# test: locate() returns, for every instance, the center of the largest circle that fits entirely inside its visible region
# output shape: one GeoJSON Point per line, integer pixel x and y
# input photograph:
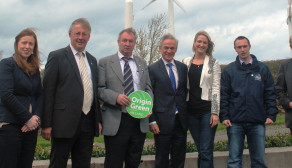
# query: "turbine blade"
{"type": "Point", "coordinates": [179, 5]}
{"type": "Point", "coordinates": [148, 4]}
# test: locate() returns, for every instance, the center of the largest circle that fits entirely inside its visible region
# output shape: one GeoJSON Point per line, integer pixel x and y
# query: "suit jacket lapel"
{"type": "Point", "coordinates": [72, 60]}
{"type": "Point", "coordinates": [139, 67]}
{"type": "Point", "coordinates": [205, 69]}
{"type": "Point", "coordinates": [179, 72]}
{"type": "Point", "coordinates": [92, 69]}
{"type": "Point", "coordinates": [116, 66]}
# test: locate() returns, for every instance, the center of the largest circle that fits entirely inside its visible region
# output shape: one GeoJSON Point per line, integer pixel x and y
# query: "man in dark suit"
{"type": "Point", "coordinates": [284, 89]}
{"type": "Point", "coordinates": [71, 113]}
{"type": "Point", "coordinates": [124, 135]}
{"type": "Point", "coordinates": [168, 122]}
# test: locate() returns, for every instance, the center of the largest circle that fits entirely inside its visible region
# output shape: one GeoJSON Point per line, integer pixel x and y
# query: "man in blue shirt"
{"type": "Point", "coordinates": [248, 102]}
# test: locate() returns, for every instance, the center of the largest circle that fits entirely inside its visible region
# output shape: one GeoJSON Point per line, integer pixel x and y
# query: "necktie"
{"type": "Point", "coordinates": [172, 77]}
{"type": "Point", "coordinates": [87, 85]}
{"type": "Point", "coordinates": [128, 78]}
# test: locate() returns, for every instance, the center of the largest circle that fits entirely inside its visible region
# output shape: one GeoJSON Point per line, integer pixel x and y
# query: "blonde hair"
{"type": "Point", "coordinates": [211, 44]}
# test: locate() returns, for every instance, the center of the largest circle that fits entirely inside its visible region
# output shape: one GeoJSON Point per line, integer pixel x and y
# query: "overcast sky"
{"type": "Point", "coordinates": [262, 21]}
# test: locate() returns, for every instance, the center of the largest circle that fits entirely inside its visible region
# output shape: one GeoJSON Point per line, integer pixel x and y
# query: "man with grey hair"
{"type": "Point", "coordinates": [284, 88]}
{"type": "Point", "coordinates": [168, 122]}
{"type": "Point", "coordinates": [124, 135]}
{"type": "Point", "coordinates": [71, 115]}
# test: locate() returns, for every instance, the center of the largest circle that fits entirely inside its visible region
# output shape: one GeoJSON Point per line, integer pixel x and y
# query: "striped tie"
{"type": "Point", "coordinates": [128, 78]}
{"type": "Point", "coordinates": [87, 85]}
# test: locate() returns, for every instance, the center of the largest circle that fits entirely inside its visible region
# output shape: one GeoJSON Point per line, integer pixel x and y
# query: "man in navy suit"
{"type": "Point", "coordinates": [71, 113]}
{"type": "Point", "coordinates": [168, 122]}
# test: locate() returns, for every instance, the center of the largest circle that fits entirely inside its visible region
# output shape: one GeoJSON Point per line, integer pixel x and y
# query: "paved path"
{"type": "Point", "coordinates": [270, 130]}
{"type": "Point", "coordinates": [222, 135]}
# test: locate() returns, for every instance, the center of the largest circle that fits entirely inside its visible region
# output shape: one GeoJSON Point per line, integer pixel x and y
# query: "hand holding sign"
{"type": "Point", "coordinates": [141, 104]}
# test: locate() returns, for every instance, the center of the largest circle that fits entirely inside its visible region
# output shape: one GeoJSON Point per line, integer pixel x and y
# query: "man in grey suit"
{"type": "Point", "coordinates": [124, 135]}
{"type": "Point", "coordinates": [284, 89]}
{"type": "Point", "coordinates": [71, 113]}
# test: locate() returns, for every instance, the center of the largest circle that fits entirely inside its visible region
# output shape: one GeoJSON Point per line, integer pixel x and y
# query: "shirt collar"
{"type": "Point", "coordinates": [75, 51]}
{"type": "Point", "coordinates": [250, 61]}
{"type": "Point", "coordinates": [121, 55]}
{"type": "Point", "coordinates": [165, 62]}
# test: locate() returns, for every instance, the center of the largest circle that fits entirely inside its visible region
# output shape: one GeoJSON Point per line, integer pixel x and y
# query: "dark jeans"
{"type": "Point", "coordinates": [255, 134]}
{"type": "Point", "coordinates": [16, 148]}
{"type": "Point", "coordinates": [203, 135]}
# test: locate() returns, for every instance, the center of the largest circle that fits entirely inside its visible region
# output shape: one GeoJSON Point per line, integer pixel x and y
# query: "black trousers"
{"type": "Point", "coordinates": [174, 144]}
{"type": "Point", "coordinates": [16, 148]}
{"type": "Point", "coordinates": [80, 146]}
{"type": "Point", "coordinates": [126, 146]}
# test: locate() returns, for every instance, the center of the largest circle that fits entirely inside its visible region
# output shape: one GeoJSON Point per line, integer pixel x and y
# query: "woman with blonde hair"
{"type": "Point", "coordinates": [203, 97]}
{"type": "Point", "coordinates": [20, 102]}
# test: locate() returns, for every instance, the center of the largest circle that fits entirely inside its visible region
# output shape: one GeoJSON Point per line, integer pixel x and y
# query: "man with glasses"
{"type": "Point", "coordinates": [71, 116]}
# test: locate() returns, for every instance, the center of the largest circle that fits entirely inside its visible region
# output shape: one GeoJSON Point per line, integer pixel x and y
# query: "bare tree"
{"type": "Point", "coordinates": [147, 44]}
{"type": "Point", "coordinates": [1, 52]}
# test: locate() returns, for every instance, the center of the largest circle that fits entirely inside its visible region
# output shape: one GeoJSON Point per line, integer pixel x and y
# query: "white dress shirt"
{"type": "Point", "coordinates": [76, 56]}
{"type": "Point", "coordinates": [174, 69]}
{"type": "Point", "coordinates": [134, 69]}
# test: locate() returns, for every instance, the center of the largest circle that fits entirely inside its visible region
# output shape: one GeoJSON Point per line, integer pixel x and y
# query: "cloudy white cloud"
{"type": "Point", "coordinates": [262, 21]}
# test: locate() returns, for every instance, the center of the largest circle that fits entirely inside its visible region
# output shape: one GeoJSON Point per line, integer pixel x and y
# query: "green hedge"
{"type": "Point", "coordinates": [279, 140]}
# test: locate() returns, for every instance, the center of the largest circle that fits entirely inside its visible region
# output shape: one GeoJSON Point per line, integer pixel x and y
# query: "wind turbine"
{"type": "Point", "coordinates": [170, 13]}
{"type": "Point", "coordinates": [129, 13]}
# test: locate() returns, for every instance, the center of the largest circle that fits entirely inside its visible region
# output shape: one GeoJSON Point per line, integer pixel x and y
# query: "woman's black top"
{"type": "Point", "coordinates": [195, 103]}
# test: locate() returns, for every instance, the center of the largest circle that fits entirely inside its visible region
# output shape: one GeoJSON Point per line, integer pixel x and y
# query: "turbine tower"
{"type": "Point", "coordinates": [170, 14]}
{"type": "Point", "coordinates": [129, 13]}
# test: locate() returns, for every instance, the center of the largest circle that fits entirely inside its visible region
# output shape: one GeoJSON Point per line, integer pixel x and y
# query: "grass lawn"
{"type": "Point", "coordinates": [41, 141]}
{"type": "Point", "coordinates": [280, 121]}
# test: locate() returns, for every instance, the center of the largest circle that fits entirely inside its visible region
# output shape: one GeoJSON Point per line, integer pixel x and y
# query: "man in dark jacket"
{"type": "Point", "coordinates": [168, 122]}
{"type": "Point", "coordinates": [71, 115]}
{"type": "Point", "coordinates": [248, 102]}
{"type": "Point", "coordinates": [284, 88]}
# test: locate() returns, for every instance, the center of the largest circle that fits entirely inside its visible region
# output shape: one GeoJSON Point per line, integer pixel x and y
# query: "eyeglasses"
{"type": "Point", "coordinates": [82, 34]}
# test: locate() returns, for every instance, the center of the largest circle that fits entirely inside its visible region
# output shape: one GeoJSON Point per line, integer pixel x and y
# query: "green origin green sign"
{"type": "Point", "coordinates": [141, 104]}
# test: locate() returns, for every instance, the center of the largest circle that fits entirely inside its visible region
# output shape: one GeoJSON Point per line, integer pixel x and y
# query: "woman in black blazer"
{"type": "Point", "coordinates": [20, 102]}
